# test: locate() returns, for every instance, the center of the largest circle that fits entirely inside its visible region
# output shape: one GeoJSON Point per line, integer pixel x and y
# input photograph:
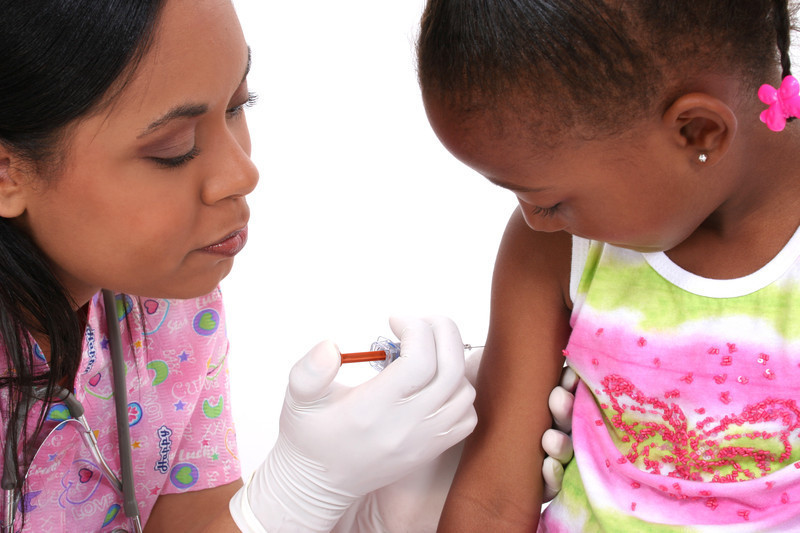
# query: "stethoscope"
{"type": "Point", "coordinates": [124, 486]}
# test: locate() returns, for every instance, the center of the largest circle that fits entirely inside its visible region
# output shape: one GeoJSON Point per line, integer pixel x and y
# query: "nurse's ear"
{"type": "Point", "coordinates": [13, 179]}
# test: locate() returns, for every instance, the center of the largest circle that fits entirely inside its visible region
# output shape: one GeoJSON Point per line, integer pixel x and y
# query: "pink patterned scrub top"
{"type": "Point", "coordinates": [687, 418]}
{"type": "Point", "coordinates": [182, 435]}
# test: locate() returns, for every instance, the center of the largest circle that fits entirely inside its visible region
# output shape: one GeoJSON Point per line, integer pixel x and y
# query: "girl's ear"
{"type": "Point", "coordinates": [701, 125]}
{"type": "Point", "coordinates": [12, 185]}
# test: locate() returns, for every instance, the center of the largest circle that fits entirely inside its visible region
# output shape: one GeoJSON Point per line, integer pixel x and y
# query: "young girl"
{"type": "Point", "coordinates": [655, 246]}
{"type": "Point", "coordinates": [124, 165]}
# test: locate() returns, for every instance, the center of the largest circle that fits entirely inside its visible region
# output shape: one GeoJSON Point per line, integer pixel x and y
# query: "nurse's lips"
{"type": "Point", "coordinates": [230, 245]}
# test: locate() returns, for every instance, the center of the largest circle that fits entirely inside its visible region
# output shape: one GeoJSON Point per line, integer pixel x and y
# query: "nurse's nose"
{"type": "Point", "coordinates": [233, 173]}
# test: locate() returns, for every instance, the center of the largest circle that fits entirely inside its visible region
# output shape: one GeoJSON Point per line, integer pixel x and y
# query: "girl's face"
{"type": "Point", "coordinates": [150, 199]}
{"type": "Point", "coordinates": [635, 191]}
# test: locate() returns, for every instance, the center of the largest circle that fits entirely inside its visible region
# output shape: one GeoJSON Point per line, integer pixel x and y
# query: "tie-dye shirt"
{"type": "Point", "coordinates": [182, 435]}
{"type": "Point", "coordinates": [687, 418]}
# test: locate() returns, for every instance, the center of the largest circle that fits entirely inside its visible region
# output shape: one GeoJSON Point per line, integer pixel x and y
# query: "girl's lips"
{"type": "Point", "coordinates": [229, 246]}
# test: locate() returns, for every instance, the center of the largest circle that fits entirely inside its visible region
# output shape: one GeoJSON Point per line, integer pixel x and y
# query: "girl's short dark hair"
{"type": "Point", "coordinates": [59, 61]}
{"type": "Point", "coordinates": [594, 62]}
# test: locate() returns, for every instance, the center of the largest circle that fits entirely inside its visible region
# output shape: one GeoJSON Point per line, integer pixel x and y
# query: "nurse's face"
{"type": "Point", "coordinates": [150, 199]}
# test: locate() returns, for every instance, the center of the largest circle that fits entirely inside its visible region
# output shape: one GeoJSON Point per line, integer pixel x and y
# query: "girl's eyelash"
{"type": "Point", "coordinates": [252, 98]}
{"type": "Point", "coordinates": [173, 162]}
{"type": "Point", "coordinates": [545, 211]}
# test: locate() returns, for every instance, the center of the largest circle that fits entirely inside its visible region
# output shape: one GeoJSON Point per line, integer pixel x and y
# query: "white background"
{"type": "Point", "coordinates": [359, 214]}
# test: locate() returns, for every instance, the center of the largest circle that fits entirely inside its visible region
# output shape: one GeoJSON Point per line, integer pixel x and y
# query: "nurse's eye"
{"type": "Point", "coordinates": [545, 211]}
{"type": "Point", "coordinates": [174, 162]}
{"type": "Point", "coordinates": [235, 111]}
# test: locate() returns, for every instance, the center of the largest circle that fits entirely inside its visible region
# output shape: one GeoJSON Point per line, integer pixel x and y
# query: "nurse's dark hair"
{"type": "Point", "coordinates": [594, 63]}
{"type": "Point", "coordinates": [60, 60]}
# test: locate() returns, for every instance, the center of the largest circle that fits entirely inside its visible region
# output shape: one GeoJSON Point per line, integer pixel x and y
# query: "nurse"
{"type": "Point", "coordinates": [124, 165]}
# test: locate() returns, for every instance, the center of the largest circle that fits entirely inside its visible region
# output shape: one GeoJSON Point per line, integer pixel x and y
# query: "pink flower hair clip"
{"type": "Point", "coordinates": [784, 103]}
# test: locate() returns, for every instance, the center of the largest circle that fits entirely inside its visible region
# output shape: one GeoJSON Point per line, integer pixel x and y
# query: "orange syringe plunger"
{"type": "Point", "coordinates": [363, 357]}
{"type": "Point", "coordinates": [382, 352]}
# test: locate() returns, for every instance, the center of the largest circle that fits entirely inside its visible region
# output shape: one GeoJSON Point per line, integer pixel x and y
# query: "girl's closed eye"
{"type": "Point", "coordinates": [545, 211]}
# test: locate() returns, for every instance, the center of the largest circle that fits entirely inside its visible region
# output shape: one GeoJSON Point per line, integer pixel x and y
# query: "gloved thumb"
{"type": "Point", "coordinates": [312, 375]}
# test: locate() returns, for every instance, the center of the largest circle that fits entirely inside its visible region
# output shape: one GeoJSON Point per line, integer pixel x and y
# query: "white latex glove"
{"type": "Point", "coordinates": [413, 503]}
{"type": "Point", "coordinates": [338, 443]}
{"type": "Point", "coordinates": [557, 442]}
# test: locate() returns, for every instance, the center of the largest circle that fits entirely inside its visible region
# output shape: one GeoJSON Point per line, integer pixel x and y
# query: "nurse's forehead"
{"type": "Point", "coordinates": [188, 110]}
{"type": "Point", "coordinates": [178, 78]}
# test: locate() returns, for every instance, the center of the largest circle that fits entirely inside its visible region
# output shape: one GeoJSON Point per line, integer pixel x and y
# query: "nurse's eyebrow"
{"type": "Point", "coordinates": [181, 111]}
{"type": "Point", "coordinates": [187, 110]}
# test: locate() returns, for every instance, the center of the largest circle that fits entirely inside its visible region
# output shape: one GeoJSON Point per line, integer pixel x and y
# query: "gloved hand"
{"type": "Point", "coordinates": [415, 501]}
{"type": "Point", "coordinates": [557, 442]}
{"type": "Point", "coordinates": [338, 443]}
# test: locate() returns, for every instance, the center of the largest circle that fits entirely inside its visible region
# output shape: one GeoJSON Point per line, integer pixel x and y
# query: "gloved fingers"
{"type": "Point", "coordinates": [449, 367]}
{"type": "Point", "coordinates": [553, 474]}
{"type": "Point", "coordinates": [557, 445]}
{"type": "Point", "coordinates": [473, 363]}
{"type": "Point", "coordinates": [465, 415]}
{"type": "Point", "coordinates": [569, 379]}
{"type": "Point", "coordinates": [444, 429]}
{"type": "Point", "coordinates": [561, 402]}
{"type": "Point", "coordinates": [456, 418]}
{"type": "Point", "coordinates": [459, 431]}
{"type": "Point", "coordinates": [548, 494]}
{"type": "Point", "coordinates": [458, 408]}
{"type": "Point", "coordinates": [450, 360]}
{"type": "Point", "coordinates": [417, 437]}
{"type": "Point", "coordinates": [311, 377]}
{"type": "Point", "coordinates": [416, 366]}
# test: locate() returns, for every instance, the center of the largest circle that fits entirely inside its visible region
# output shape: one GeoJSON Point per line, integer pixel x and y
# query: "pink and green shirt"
{"type": "Point", "coordinates": [687, 417]}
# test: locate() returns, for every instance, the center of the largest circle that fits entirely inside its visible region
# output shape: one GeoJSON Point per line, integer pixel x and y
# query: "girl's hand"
{"type": "Point", "coordinates": [338, 443]}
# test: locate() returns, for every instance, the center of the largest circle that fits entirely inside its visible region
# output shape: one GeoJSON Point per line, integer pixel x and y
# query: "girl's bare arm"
{"type": "Point", "coordinates": [498, 485]}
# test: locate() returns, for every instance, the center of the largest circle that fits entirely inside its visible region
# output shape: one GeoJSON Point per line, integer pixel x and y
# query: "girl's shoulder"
{"type": "Point", "coordinates": [530, 261]}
